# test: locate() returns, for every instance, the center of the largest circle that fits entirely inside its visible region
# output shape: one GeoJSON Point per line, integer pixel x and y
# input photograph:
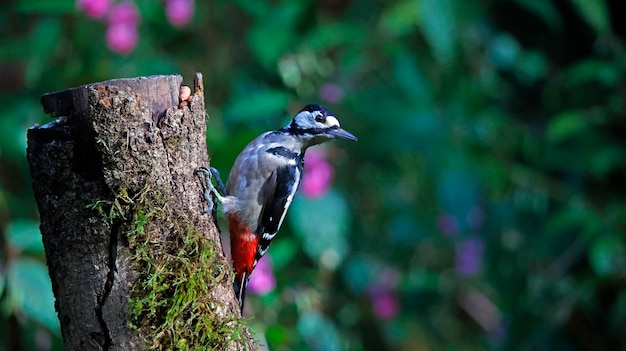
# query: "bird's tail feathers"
{"type": "Point", "coordinates": [240, 285]}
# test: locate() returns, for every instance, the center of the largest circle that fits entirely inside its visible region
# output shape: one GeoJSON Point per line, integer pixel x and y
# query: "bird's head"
{"type": "Point", "coordinates": [315, 125]}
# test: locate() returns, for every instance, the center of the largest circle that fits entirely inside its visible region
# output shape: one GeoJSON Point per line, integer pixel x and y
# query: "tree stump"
{"type": "Point", "coordinates": [135, 263]}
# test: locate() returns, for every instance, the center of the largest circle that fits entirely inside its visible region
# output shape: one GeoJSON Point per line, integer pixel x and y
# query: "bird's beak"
{"type": "Point", "coordinates": [340, 133]}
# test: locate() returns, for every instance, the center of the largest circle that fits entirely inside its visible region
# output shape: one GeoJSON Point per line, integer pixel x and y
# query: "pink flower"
{"type": "Point", "coordinates": [332, 93]}
{"type": "Point", "coordinates": [179, 12]}
{"type": "Point", "coordinates": [448, 224]}
{"type": "Point", "coordinates": [318, 174]}
{"type": "Point", "coordinates": [385, 305]}
{"type": "Point", "coordinates": [382, 294]}
{"type": "Point", "coordinates": [122, 33]}
{"type": "Point", "coordinates": [122, 37]}
{"type": "Point", "coordinates": [262, 280]}
{"type": "Point", "coordinates": [94, 8]}
{"type": "Point", "coordinates": [126, 12]}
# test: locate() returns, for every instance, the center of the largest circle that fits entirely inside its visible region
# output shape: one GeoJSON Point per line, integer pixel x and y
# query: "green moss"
{"type": "Point", "coordinates": [115, 209]}
{"type": "Point", "coordinates": [173, 141]}
{"type": "Point", "coordinates": [170, 303]}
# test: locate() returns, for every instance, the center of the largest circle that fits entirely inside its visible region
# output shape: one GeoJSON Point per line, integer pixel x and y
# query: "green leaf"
{"type": "Point", "coordinates": [410, 79]}
{"type": "Point", "coordinates": [617, 313]}
{"type": "Point", "coordinates": [14, 123]}
{"type": "Point", "coordinates": [150, 10]}
{"type": "Point", "coordinates": [400, 18]}
{"type": "Point", "coordinates": [277, 335]}
{"type": "Point", "coordinates": [360, 271]}
{"type": "Point", "coordinates": [605, 160]}
{"type": "Point", "coordinates": [595, 12]}
{"type": "Point", "coordinates": [148, 65]}
{"type": "Point", "coordinates": [504, 51]}
{"type": "Point", "coordinates": [25, 236]}
{"type": "Point", "coordinates": [544, 10]}
{"type": "Point", "coordinates": [282, 252]}
{"type": "Point", "coordinates": [269, 40]}
{"type": "Point", "coordinates": [46, 6]}
{"type": "Point", "coordinates": [335, 34]}
{"type": "Point", "coordinates": [258, 104]}
{"type": "Point", "coordinates": [458, 192]}
{"type": "Point", "coordinates": [268, 44]}
{"type": "Point", "coordinates": [254, 8]}
{"type": "Point", "coordinates": [439, 25]}
{"type": "Point", "coordinates": [406, 230]}
{"type": "Point", "coordinates": [13, 49]}
{"type": "Point", "coordinates": [45, 36]}
{"type": "Point", "coordinates": [607, 255]}
{"type": "Point", "coordinates": [574, 218]}
{"type": "Point", "coordinates": [322, 224]}
{"type": "Point", "coordinates": [31, 291]}
{"type": "Point", "coordinates": [423, 280]}
{"type": "Point", "coordinates": [531, 66]}
{"type": "Point", "coordinates": [565, 125]}
{"type": "Point", "coordinates": [589, 71]}
{"type": "Point", "coordinates": [318, 331]}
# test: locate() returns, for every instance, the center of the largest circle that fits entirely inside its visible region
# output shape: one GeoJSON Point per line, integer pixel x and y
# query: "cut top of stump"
{"type": "Point", "coordinates": [160, 92]}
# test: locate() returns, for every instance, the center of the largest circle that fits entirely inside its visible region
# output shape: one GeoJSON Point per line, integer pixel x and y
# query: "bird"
{"type": "Point", "coordinates": [262, 184]}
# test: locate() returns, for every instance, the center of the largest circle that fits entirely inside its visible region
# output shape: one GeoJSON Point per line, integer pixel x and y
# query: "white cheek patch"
{"type": "Point", "coordinates": [331, 121]}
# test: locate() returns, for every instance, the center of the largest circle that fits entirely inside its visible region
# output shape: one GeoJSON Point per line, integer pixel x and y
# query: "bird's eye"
{"type": "Point", "coordinates": [319, 118]}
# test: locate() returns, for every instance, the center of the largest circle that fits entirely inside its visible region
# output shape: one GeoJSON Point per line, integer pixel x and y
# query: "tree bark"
{"type": "Point", "coordinates": [134, 262]}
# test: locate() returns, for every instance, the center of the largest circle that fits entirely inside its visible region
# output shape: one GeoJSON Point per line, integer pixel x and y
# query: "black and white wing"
{"type": "Point", "coordinates": [277, 193]}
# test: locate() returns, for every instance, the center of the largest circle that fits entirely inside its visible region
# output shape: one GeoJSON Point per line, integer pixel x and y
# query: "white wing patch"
{"type": "Point", "coordinates": [269, 236]}
{"type": "Point", "coordinates": [290, 197]}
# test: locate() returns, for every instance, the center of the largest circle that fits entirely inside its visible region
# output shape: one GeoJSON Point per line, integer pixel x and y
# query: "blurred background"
{"type": "Point", "coordinates": [483, 207]}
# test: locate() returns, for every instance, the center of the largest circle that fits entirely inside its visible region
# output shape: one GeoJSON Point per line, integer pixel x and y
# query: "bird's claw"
{"type": "Point", "coordinates": [207, 190]}
{"type": "Point", "coordinates": [204, 170]}
{"type": "Point", "coordinates": [209, 208]}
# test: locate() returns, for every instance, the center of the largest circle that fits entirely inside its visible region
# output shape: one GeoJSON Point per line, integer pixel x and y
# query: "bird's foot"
{"type": "Point", "coordinates": [210, 188]}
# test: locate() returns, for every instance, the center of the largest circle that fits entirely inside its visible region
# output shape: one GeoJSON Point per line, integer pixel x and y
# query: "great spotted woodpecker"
{"type": "Point", "coordinates": [262, 184]}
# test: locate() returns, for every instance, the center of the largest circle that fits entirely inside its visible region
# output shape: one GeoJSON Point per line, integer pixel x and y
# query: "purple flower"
{"type": "Point", "coordinates": [179, 12]}
{"type": "Point", "coordinates": [262, 280]}
{"type": "Point", "coordinates": [448, 224]}
{"type": "Point", "coordinates": [469, 254]}
{"type": "Point", "coordinates": [497, 335]}
{"type": "Point", "coordinates": [94, 8]}
{"type": "Point", "coordinates": [382, 294]}
{"type": "Point", "coordinates": [332, 93]}
{"type": "Point", "coordinates": [385, 305]}
{"type": "Point", "coordinates": [122, 33]}
{"type": "Point", "coordinates": [318, 174]}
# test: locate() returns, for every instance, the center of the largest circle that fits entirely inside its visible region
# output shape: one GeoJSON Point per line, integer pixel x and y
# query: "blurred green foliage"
{"type": "Point", "coordinates": [483, 206]}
